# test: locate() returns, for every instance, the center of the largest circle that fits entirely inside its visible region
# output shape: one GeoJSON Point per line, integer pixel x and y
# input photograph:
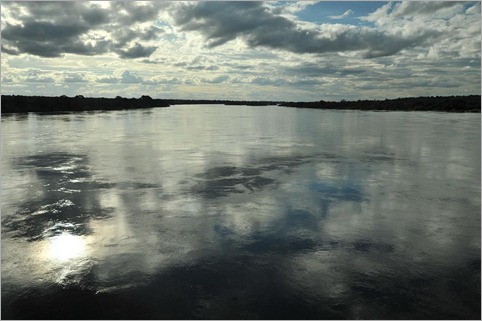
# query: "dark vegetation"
{"type": "Point", "coordinates": [439, 103]}
{"type": "Point", "coordinates": [24, 104]}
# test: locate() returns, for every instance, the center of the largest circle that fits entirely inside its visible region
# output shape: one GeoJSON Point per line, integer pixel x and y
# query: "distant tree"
{"type": "Point", "coordinates": [79, 96]}
{"type": "Point", "coordinates": [145, 97]}
{"type": "Point", "coordinates": [118, 97]}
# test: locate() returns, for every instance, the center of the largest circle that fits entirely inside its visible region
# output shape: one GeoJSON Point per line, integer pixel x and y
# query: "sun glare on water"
{"type": "Point", "coordinates": [66, 247]}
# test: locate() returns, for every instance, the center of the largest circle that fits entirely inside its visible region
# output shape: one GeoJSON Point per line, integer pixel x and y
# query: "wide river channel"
{"type": "Point", "coordinates": [237, 212]}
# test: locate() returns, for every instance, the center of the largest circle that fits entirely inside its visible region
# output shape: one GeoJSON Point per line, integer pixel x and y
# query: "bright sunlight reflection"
{"type": "Point", "coordinates": [66, 247]}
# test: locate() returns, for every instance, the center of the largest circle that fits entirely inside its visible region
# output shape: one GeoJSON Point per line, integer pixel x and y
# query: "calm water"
{"type": "Point", "coordinates": [241, 212]}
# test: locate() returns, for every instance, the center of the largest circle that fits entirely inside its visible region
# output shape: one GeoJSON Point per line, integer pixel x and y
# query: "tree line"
{"type": "Point", "coordinates": [439, 103]}
{"type": "Point", "coordinates": [24, 104]}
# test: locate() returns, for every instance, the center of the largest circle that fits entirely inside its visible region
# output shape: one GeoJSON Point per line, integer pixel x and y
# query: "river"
{"type": "Point", "coordinates": [238, 212]}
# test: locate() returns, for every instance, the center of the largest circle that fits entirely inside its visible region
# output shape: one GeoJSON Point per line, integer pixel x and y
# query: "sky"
{"type": "Point", "coordinates": [282, 51]}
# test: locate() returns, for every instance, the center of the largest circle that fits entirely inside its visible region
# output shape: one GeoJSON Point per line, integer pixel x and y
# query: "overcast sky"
{"type": "Point", "coordinates": [295, 51]}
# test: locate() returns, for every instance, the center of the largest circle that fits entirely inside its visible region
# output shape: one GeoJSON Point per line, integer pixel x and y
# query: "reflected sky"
{"type": "Point", "coordinates": [241, 212]}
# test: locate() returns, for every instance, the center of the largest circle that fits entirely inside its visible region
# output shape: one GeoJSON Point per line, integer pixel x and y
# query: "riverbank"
{"type": "Point", "coordinates": [443, 104]}
{"type": "Point", "coordinates": [24, 104]}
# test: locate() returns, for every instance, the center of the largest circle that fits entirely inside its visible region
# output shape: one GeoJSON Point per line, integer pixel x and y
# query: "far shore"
{"type": "Point", "coordinates": [24, 104]}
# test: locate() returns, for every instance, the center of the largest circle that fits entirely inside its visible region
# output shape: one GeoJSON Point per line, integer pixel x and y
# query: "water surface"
{"type": "Point", "coordinates": [214, 212]}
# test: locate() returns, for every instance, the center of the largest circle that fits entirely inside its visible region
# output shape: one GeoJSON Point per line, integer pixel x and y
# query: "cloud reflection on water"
{"type": "Point", "coordinates": [316, 219]}
{"type": "Point", "coordinates": [66, 201]}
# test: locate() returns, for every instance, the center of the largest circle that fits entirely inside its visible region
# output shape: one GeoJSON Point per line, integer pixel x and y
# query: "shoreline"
{"type": "Point", "coordinates": [453, 104]}
{"type": "Point", "coordinates": [13, 104]}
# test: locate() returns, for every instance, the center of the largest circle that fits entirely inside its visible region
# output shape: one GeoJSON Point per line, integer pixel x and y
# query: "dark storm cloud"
{"type": "Point", "coordinates": [59, 11]}
{"type": "Point", "coordinates": [124, 35]}
{"type": "Point", "coordinates": [43, 30]}
{"type": "Point", "coordinates": [137, 51]}
{"type": "Point", "coordinates": [46, 49]}
{"type": "Point", "coordinates": [54, 39]}
{"type": "Point", "coordinates": [130, 12]}
{"type": "Point", "coordinates": [95, 16]}
{"type": "Point", "coordinates": [150, 34]}
{"type": "Point", "coordinates": [220, 22]}
{"type": "Point", "coordinates": [51, 29]}
{"type": "Point", "coordinates": [9, 50]}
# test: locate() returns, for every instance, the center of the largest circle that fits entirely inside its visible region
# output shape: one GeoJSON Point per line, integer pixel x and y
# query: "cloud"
{"type": "Point", "coordinates": [6, 79]}
{"type": "Point", "coordinates": [108, 80]}
{"type": "Point", "coordinates": [130, 78]}
{"type": "Point", "coordinates": [153, 61]}
{"type": "Point", "coordinates": [221, 22]}
{"type": "Point", "coordinates": [266, 81]}
{"type": "Point", "coordinates": [457, 27]}
{"type": "Point", "coordinates": [394, 13]}
{"type": "Point", "coordinates": [123, 36]}
{"type": "Point", "coordinates": [290, 7]}
{"type": "Point", "coordinates": [217, 80]}
{"type": "Point", "coordinates": [130, 12]}
{"type": "Point", "coordinates": [52, 29]}
{"type": "Point", "coordinates": [9, 50]}
{"type": "Point", "coordinates": [74, 78]}
{"type": "Point", "coordinates": [52, 39]}
{"type": "Point", "coordinates": [197, 67]}
{"type": "Point", "coordinates": [95, 16]}
{"type": "Point", "coordinates": [150, 34]}
{"type": "Point", "coordinates": [344, 15]}
{"type": "Point", "coordinates": [136, 51]}
{"type": "Point", "coordinates": [39, 30]}
{"type": "Point", "coordinates": [263, 46]}
{"type": "Point", "coordinates": [313, 70]}
{"type": "Point", "coordinates": [407, 8]}
{"type": "Point", "coordinates": [474, 9]}
{"type": "Point", "coordinates": [39, 78]}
